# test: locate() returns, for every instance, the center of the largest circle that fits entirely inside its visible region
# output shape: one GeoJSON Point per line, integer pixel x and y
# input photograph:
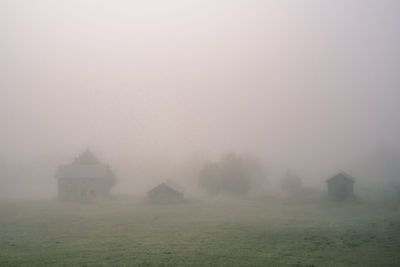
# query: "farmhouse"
{"type": "Point", "coordinates": [340, 187]}
{"type": "Point", "coordinates": [165, 193]}
{"type": "Point", "coordinates": [86, 179]}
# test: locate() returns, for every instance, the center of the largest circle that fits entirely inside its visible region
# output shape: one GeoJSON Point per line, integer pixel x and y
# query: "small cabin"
{"type": "Point", "coordinates": [395, 184]}
{"type": "Point", "coordinates": [85, 179]}
{"type": "Point", "coordinates": [341, 187]}
{"type": "Point", "coordinates": [165, 193]}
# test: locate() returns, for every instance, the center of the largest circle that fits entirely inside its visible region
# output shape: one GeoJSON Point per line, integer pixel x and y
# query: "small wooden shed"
{"type": "Point", "coordinates": [165, 193]}
{"type": "Point", "coordinates": [341, 187]}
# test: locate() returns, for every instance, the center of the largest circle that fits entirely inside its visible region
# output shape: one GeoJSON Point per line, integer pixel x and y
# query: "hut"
{"type": "Point", "coordinates": [341, 187]}
{"type": "Point", "coordinates": [86, 179]}
{"type": "Point", "coordinates": [395, 184]}
{"type": "Point", "coordinates": [165, 193]}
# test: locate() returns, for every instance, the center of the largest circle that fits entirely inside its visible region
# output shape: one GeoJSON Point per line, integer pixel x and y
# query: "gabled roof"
{"type": "Point", "coordinates": [83, 171]}
{"type": "Point", "coordinates": [170, 185]}
{"type": "Point", "coordinates": [341, 175]}
{"type": "Point", "coordinates": [174, 186]}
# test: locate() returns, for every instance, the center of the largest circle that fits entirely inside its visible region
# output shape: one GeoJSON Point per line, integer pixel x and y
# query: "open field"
{"type": "Point", "coordinates": [131, 232]}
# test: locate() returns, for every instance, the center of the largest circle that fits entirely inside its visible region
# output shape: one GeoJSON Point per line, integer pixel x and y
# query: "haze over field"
{"type": "Point", "coordinates": [155, 87]}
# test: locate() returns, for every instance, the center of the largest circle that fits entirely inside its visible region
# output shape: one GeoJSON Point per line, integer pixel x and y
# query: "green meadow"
{"type": "Point", "coordinates": [132, 232]}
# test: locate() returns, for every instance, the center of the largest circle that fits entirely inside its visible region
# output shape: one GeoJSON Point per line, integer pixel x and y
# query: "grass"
{"type": "Point", "coordinates": [131, 232]}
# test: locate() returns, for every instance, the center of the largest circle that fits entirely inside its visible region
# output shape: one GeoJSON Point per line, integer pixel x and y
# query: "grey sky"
{"type": "Point", "coordinates": [298, 83]}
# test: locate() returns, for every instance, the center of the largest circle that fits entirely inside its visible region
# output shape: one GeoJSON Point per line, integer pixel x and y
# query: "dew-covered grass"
{"type": "Point", "coordinates": [132, 232]}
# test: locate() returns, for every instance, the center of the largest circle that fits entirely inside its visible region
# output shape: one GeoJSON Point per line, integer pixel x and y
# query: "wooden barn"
{"type": "Point", "coordinates": [86, 179]}
{"type": "Point", "coordinates": [396, 187]}
{"type": "Point", "coordinates": [165, 193]}
{"type": "Point", "coordinates": [341, 187]}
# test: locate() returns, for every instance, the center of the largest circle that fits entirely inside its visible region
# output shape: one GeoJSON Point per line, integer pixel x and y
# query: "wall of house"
{"type": "Point", "coordinates": [82, 189]}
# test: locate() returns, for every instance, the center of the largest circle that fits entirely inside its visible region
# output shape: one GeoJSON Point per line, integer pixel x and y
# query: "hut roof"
{"type": "Point", "coordinates": [83, 171]}
{"type": "Point", "coordinates": [170, 185]}
{"type": "Point", "coordinates": [341, 175]}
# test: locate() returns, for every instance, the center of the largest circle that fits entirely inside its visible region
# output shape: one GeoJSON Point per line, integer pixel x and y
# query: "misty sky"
{"type": "Point", "coordinates": [299, 84]}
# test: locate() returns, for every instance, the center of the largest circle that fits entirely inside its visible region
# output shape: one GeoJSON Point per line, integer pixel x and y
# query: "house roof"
{"type": "Point", "coordinates": [86, 157]}
{"type": "Point", "coordinates": [341, 175]}
{"type": "Point", "coordinates": [83, 171]}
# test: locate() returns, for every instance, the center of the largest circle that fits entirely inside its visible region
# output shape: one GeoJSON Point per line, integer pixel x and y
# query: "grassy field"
{"type": "Point", "coordinates": [131, 232]}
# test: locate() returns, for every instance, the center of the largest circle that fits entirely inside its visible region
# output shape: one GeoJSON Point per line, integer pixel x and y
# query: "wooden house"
{"type": "Point", "coordinates": [86, 179]}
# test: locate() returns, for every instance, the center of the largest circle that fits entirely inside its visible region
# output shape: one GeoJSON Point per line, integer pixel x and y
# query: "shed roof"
{"type": "Point", "coordinates": [341, 175]}
{"type": "Point", "coordinates": [168, 184]}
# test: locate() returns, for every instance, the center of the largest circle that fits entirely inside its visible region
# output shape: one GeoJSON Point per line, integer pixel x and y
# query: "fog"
{"type": "Point", "coordinates": [158, 88]}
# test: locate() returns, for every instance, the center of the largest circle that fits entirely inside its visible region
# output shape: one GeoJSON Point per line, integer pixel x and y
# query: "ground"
{"type": "Point", "coordinates": [131, 232]}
